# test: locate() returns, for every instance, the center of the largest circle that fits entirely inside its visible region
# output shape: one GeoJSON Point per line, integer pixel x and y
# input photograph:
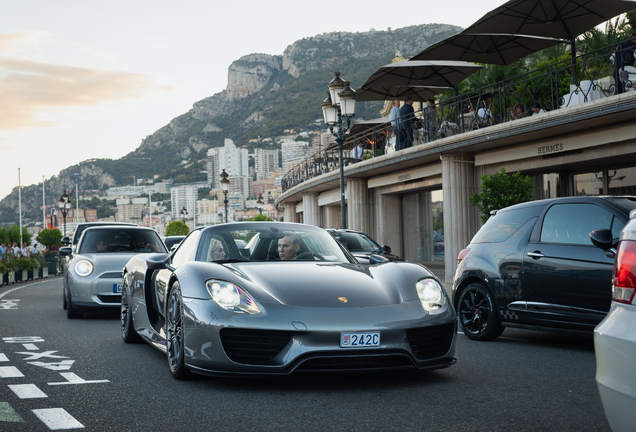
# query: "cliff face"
{"type": "Point", "coordinates": [265, 95]}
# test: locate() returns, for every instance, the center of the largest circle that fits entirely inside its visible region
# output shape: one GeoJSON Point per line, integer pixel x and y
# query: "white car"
{"type": "Point", "coordinates": [615, 336]}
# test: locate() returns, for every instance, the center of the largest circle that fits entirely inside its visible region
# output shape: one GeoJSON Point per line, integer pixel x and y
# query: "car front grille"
{"type": "Point", "coordinates": [249, 346]}
{"type": "Point", "coordinates": [109, 298]}
{"type": "Point", "coordinates": [430, 342]}
{"type": "Point", "coordinates": [356, 361]}
{"type": "Point", "coordinates": [111, 275]}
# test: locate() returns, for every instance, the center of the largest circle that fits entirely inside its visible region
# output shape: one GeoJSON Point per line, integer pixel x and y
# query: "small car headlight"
{"type": "Point", "coordinates": [84, 268]}
{"type": "Point", "coordinates": [231, 297]}
{"type": "Point", "coordinates": [431, 294]}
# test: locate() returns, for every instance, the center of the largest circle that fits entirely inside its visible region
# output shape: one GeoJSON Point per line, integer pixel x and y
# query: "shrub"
{"type": "Point", "coordinates": [177, 228]}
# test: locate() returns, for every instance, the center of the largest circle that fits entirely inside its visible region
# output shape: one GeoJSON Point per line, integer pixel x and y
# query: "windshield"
{"type": "Point", "coordinates": [269, 242]}
{"type": "Point", "coordinates": [358, 243]}
{"type": "Point", "coordinates": [103, 240]}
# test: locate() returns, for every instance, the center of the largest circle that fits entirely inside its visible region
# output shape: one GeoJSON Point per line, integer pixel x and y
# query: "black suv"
{"type": "Point", "coordinates": [533, 266]}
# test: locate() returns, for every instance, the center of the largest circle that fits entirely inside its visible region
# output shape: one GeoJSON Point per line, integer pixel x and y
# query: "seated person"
{"type": "Point", "coordinates": [518, 111]}
{"type": "Point", "coordinates": [102, 246]}
{"type": "Point", "coordinates": [536, 108]}
{"type": "Point", "coordinates": [140, 243]}
{"type": "Point", "coordinates": [289, 246]}
{"type": "Point", "coordinates": [216, 252]}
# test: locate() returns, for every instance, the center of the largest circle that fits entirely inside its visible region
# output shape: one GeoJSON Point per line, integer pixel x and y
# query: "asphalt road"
{"type": "Point", "coordinates": [80, 373]}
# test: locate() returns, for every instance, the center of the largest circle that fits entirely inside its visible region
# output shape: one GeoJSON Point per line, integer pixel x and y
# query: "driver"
{"type": "Point", "coordinates": [140, 243]}
{"type": "Point", "coordinates": [102, 246]}
{"type": "Point", "coordinates": [289, 246]}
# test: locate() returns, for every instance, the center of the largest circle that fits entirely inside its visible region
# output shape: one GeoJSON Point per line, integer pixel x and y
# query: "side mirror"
{"type": "Point", "coordinates": [66, 241]}
{"type": "Point", "coordinates": [66, 251]}
{"type": "Point", "coordinates": [387, 249]}
{"type": "Point", "coordinates": [602, 239]}
{"type": "Point", "coordinates": [158, 261]}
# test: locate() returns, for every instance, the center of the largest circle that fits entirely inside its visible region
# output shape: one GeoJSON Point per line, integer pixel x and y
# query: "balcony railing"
{"type": "Point", "coordinates": [563, 84]}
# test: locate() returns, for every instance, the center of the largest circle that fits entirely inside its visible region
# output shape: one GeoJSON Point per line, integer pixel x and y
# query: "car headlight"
{"type": "Point", "coordinates": [431, 295]}
{"type": "Point", "coordinates": [83, 268]}
{"type": "Point", "coordinates": [231, 297]}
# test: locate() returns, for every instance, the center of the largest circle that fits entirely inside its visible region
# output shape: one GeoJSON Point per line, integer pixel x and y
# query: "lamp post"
{"type": "Point", "coordinates": [184, 214]}
{"type": "Point", "coordinates": [259, 204]}
{"type": "Point", "coordinates": [225, 185]}
{"type": "Point", "coordinates": [65, 204]}
{"type": "Point", "coordinates": [340, 103]}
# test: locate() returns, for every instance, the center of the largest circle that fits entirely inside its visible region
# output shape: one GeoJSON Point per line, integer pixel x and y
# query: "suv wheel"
{"type": "Point", "coordinates": [477, 314]}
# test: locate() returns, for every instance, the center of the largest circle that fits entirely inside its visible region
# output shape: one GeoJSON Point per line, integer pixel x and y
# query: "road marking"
{"type": "Point", "coordinates": [8, 414]}
{"type": "Point", "coordinates": [20, 287]}
{"type": "Point", "coordinates": [27, 391]}
{"type": "Point", "coordinates": [3, 357]}
{"type": "Point", "coordinates": [23, 339]}
{"type": "Point", "coordinates": [9, 304]}
{"type": "Point", "coordinates": [57, 419]}
{"type": "Point", "coordinates": [10, 372]}
{"type": "Point", "coordinates": [74, 379]}
{"type": "Point", "coordinates": [59, 366]}
{"type": "Point", "coordinates": [31, 347]}
{"type": "Point", "coordinates": [36, 356]}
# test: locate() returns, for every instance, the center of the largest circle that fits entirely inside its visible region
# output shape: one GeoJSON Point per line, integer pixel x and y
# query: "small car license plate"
{"type": "Point", "coordinates": [352, 340]}
{"type": "Point", "coordinates": [116, 288]}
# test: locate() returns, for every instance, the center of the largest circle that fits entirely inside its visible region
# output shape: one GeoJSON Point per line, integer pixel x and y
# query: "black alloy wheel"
{"type": "Point", "coordinates": [174, 335]}
{"type": "Point", "coordinates": [128, 333]}
{"type": "Point", "coordinates": [477, 315]}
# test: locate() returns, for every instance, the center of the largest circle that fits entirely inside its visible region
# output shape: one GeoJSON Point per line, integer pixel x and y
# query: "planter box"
{"type": "Point", "coordinates": [32, 274]}
{"type": "Point", "coordinates": [43, 272]}
{"type": "Point", "coordinates": [54, 265]}
{"type": "Point", "coordinates": [8, 278]}
{"type": "Point", "coordinates": [21, 275]}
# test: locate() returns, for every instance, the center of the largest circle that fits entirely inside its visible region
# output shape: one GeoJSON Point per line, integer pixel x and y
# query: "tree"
{"type": "Point", "coordinates": [13, 234]}
{"type": "Point", "coordinates": [261, 218]}
{"type": "Point", "coordinates": [501, 190]}
{"type": "Point", "coordinates": [177, 228]}
{"type": "Point", "coordinates": [50, 237]}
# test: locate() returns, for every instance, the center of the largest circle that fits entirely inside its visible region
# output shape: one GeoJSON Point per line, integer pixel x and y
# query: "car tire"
{"type": "Point", "coordinates": [128, 333]}
{"type": "Point", "coordinates": [477, 313]}
{"type": "Point", "coordinates": [64, 305]}
{"type": "Point", "coordinates": [71, 311]}
{"type": "Point", "coordinates": [175, 334]}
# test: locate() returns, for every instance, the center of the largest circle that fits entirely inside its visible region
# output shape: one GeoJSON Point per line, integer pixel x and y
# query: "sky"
{"type": "Point", "coordinates": [91, 79]}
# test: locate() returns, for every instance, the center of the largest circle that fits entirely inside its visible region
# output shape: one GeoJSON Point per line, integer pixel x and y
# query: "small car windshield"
{"type": "Point", "coordinates": [269, 242]}
{"type": "Point", "coordinates": [102, 240]}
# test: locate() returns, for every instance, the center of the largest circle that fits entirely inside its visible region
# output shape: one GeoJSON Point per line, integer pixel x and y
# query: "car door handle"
{"type": "Point", "coordinates": [535, 255]}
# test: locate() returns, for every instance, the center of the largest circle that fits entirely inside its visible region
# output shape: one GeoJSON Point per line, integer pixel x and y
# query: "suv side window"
{"type": "Point", "coordinates": [504, 224]}
{"type": "Point", "coordinates": [572, 223]}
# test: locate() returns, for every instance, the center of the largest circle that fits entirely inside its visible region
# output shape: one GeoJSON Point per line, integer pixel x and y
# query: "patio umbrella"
{"type": "Point", "coordinates": [421, 79]}
{"type": "Point", "coordinates": [559, 19]}
{"type": "Point", "coordinates": [499, 49]}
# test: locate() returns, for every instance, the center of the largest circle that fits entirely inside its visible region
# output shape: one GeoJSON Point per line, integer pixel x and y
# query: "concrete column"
{"type": "Point", "coordinates": [331, 216]}
{"type": "Point", "coordinates": [388, 231]}
{"type": "Point", "coordinates": [311, 210]}
{"type": "Point", "coordinates": [289, 214]}
{"type": "Point", "coordinates": [459, 226]}
{"type": "Point", "coordinates": [357, 205]}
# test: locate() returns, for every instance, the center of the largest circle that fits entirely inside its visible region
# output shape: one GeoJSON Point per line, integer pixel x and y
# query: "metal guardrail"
{"type": "Point", "coordinates": [562, 84]}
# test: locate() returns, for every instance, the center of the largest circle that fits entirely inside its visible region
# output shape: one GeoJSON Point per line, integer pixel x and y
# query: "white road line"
{"type": "Point", "coordinates": [10, 372]}
{"type": "Point", "coordinates": [74, 379]}
{"type": "Point", "coordinates": [27, 391]}
{"type": "Point", "coordinates": [57, 419]}
{"type": "Point", "coordinates": [3, 357]}
{"type": "Point", "coordinates": [31, 347]}
{"type": "Point", "coordinates": [20, 287]}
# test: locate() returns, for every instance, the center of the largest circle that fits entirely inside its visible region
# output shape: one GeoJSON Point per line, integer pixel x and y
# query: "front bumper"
{"type": "Point", "coordinates": [96, 290]}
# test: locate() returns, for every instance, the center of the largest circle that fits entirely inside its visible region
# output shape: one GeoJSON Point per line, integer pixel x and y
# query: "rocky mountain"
{"type": "Point", "coordinates": [265, 95]}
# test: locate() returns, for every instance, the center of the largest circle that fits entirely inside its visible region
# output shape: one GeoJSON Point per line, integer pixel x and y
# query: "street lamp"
{"type": "Point", "coordinates": [184, 214]}
{"type": "Point", "coordinates": [225, 185]}
{"type": "Point", "coordinates": [65, 204]}
{"type": "Point", "coordinates": [259, 204]}
{"type": "Point", "coordinates": [340, 103]}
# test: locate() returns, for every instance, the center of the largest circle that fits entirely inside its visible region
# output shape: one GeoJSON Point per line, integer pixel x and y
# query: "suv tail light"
{"type": "Point", "coordinates": [624, 277]}
{"type": "Point", "coordinates": [462, 255]}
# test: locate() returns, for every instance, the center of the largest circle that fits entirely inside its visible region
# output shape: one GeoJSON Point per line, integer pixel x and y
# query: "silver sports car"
{"type": "Point", "coordinates": [93, 272]}
{"type": "Point", "coordinates": [293, 299]}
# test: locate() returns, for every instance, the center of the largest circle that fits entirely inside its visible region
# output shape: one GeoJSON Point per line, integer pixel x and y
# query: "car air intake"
{"type": "Point", "coordinates": [249, 346]}
{"type": "Point", "coordinates": [430, 342]}
{"type": "Point", "coordinates": [356, 361]}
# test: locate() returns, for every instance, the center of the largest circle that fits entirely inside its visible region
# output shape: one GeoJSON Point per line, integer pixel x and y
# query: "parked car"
{"type": "Point", "coordinates": [217, 309]}
{"type": "Point", "coordinates": [534, 266]}
{"type": "Point", "coordinates": [172, 241]}
{"type": "Point", "coordinates": [362, 246]}
{"type": "Point", "coordinates": [93, 270]}
{"type": "Point", "coordinates": [615, 336]}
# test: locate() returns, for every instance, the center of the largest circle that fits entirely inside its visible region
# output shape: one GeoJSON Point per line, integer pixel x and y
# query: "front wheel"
{"type": "Point", "coordinates": [477, 314]}
{"type": "Point", "coordinates": [128, 333]}
{"type": "Point", "coordinates": [174, 335]}
{"type": "Point", "coordinates": [71, 311]}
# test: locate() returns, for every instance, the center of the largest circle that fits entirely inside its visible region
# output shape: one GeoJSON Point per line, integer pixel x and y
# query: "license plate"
{"type": "Point", "coordinates": [359, 339]}
{"type": "Point", "coordinates": [117, 288]}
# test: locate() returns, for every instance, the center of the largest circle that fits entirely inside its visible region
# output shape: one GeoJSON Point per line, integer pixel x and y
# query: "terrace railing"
{"type": "Point", "coordinates": [591, 76]}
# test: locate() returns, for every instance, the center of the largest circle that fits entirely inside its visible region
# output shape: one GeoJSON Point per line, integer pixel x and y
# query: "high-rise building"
{"type": "Point", "coordinates": [183, 196]}
{"type": "Point", "coordinates": [293, 152]}
{"type": "Point", "coordinates": [266, 162]}
{"type": "Point", "coordinates": [233, 160]}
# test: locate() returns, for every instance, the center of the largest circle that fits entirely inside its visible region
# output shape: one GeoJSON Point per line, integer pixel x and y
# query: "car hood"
{"type": "Point", "coordinates": [324, 284]}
